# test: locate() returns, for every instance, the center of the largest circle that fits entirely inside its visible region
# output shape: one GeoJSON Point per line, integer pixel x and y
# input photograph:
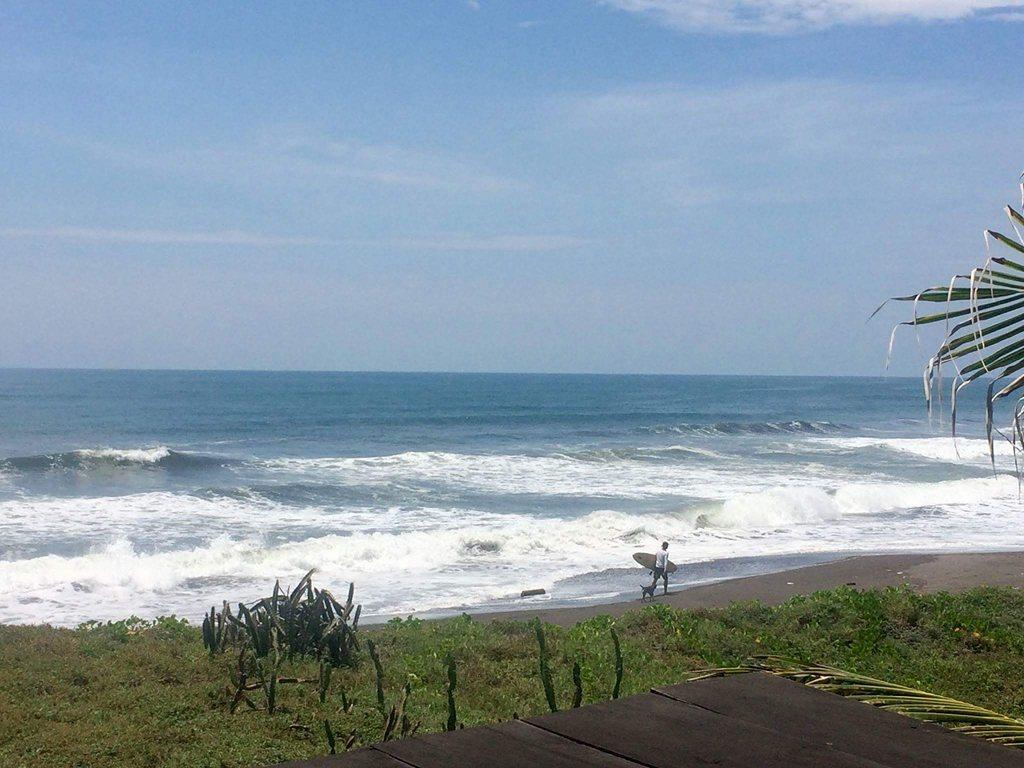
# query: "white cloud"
{"type": "Point", "coordinates": [674, 146]}
{"type": "Point", "coordinates": [450, 242]}
{"type": "Point", "coordinates": [312, 154]}
{"type": "Point", "coordinates": [496, 243]}
{"type": "Point", "coordinates": [155, 236]}
{"type": "Point", "coordinates": [780, 16]}
{"type": "Point", "coordinates": [300, 154]}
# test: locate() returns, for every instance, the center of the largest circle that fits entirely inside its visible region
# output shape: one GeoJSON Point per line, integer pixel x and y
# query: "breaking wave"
{"type": "Point", "coordinates": [667, 453]}
{"type": "Point", "coordinates": [86, 459]}
{"type": "Point", "coordinates": [945, 449]}
{"type": "Point", "coordinates": [605, 473]}
{"type": "Point", "coordinates": [795, 505]}
{"type": "Point", "coordinates": [726, 428]}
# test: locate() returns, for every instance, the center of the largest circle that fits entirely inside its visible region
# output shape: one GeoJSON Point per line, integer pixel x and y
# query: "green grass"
{"type": "Point", "coordinates": [136, 695]}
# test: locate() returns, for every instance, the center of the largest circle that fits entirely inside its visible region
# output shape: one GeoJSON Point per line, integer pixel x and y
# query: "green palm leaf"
{"type": "Point", "coordinates": [921, 705]}
{"type": "Point", "coordinates": [984, 331]}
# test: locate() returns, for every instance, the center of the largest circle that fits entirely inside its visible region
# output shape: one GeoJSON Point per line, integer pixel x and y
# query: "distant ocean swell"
{"type": "Point", "coordinates": [167, 458]}
{"type": "Point", "coordinates": [629, 472]}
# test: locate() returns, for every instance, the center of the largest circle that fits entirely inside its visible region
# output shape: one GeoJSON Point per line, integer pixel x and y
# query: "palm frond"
{"type": "Point", "coordinates": [983, 316]}
{"type": "Point", "coordinates": [920, 705]}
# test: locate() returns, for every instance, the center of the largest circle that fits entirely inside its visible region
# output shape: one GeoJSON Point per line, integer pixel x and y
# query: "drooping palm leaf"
{"type": "Point", "coordinates": [921, 705]}
{"type": "Point", "coordinates": [983, 316]}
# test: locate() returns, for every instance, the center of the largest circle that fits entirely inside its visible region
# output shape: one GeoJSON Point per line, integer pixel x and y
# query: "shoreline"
{"type": "Point", "coordinates": [932, 572]}
{"type": "Point", "coordinates": [921, 571]}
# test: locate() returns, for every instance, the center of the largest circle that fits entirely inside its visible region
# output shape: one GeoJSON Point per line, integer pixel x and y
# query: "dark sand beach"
{"type": "Point", "coordinates": [950, 572]}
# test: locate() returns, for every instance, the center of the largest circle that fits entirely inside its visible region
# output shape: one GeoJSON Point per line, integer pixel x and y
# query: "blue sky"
{"type": "Point", "coordinates": [633, 185]}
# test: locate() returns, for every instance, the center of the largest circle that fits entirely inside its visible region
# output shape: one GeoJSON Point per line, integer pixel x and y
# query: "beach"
{"type": "Point", "coordinates": [925, 573]}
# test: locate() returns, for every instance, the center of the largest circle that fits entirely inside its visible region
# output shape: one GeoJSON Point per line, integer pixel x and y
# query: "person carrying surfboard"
{"type": "Point", "coordinates": [661, 567]}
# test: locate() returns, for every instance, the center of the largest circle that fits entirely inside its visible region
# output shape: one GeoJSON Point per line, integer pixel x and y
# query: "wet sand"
{"type": "Point", "coordinates": [922, 572]}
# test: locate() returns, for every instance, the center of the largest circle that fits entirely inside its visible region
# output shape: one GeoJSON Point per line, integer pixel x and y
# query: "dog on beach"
{"type": "Point", "coordinates": [647, 592]}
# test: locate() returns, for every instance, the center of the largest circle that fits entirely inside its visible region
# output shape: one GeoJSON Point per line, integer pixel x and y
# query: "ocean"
{"type": "Point", "coordinates": [165, 492]}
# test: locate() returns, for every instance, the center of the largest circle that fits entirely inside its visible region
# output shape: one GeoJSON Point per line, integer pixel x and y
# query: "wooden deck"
{"type": "Point", "coordinates": [757, 720]}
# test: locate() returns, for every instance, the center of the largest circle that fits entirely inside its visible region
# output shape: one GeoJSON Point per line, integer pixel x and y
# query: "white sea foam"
{"type": "Point", "coordinates": [784, 506]}
{"type": "Point", "coordinates": [546, 475]}
{"type": "Point", "coordinates": [178, 516]}
{"type": "Point", "coordinates": [774, 507]}
{"type": "Point", "coordinates": [462, 553]}
{"type": "Point", "coordinates": [414, 558]}
{"type": "Point", "coordinates": [133, 455]}
{"type": "Point", "coordinates": [946, 449]}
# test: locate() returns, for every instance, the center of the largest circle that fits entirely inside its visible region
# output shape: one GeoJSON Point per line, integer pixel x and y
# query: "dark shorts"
{"type": "Point", "coordinates": [659, 573]}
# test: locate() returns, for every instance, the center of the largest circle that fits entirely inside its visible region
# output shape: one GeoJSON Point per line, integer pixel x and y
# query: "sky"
{"type": "Point", "coordinates": [657, 186]}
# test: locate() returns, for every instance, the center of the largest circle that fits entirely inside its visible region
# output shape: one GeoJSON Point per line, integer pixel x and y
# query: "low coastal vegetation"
{"type": "Point", "coordinates": [137, 693]}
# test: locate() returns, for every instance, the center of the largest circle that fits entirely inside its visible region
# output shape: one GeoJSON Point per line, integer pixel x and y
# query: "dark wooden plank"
{"type": "Point", "coordinates": [367, 757]}
{"type": "Point", "coordinates": [829, 720]}
{"type": "Point", "coordinates": [508, 745]}
{"type": "Point", "coordinates": [738, 721]}
{"type": "Point", "coordinates": [663, 733]}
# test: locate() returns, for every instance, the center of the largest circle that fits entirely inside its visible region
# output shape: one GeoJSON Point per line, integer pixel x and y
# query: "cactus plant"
{"type": "Point", "coordinates": [379, 672]}
{"type": "Point", "coordinates": [453, 718]}
{"type": "Point", "coordinates": [545, 667]}
{"type": "Point", "coordinates": [308, 622]}
{"type": "Point", "coordinates": [325, 679]}
{"type": "Point", "coordinates": [618, 664]}
{"type": "Point", "coordinates": [332, 745]}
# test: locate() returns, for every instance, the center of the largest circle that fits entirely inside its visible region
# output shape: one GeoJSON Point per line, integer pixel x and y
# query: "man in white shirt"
{"type": "Point", "coordinates": [661, 567]}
